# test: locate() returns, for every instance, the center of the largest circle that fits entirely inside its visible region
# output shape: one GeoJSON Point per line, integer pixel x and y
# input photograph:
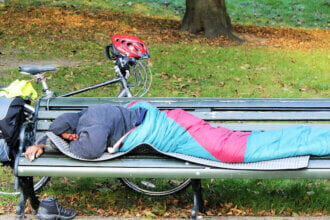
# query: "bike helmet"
{"type": "Point", "coordinates": [131, 46]}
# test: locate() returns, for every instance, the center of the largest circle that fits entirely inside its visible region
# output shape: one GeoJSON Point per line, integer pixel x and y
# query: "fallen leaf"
{"type": "Point", "coordinates": [209, 213]}
{"type": "Point", "coordinates": [318, 214]}
{"type": "Point", "coordinates": [294, 214]}
{"type": "Point", "coordinates": [149, 214]}
{"type": "Point", "coordinates": [246, 66]}
{"type": "Point", "coordinates": [235, 210]}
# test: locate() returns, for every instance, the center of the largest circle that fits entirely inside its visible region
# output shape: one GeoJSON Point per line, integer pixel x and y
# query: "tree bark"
{"type": "Point", "coordinates": [209, 16]}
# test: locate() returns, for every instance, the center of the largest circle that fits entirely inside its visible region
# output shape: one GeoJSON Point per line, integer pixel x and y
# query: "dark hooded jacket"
{"type": "Point", "coordinates": [98, 127]}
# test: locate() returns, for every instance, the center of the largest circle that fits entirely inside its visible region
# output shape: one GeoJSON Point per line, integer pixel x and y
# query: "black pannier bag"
{"type": "Point", "coordinates": [11, 119]}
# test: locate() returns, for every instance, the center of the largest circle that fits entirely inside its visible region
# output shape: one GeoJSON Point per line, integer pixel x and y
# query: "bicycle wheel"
{"type": "Point", "coordinates": [156, 187]}
{"type": "Point", "coordinates": [8, 179]}
{"type": "Point", "coordinates": [140, 78]}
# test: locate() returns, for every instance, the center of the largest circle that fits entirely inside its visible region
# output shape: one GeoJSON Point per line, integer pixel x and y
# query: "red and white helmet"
{"type": "Point", "coordinates": [130, 46]}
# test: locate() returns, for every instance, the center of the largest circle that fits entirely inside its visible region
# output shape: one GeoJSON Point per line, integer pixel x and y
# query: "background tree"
{"type": "Point", "coordinates": [209, 16]}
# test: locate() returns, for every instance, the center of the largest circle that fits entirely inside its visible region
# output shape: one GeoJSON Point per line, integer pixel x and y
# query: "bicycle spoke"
{"type": "Point", "coordinates": [140, 79]}
{"type": "Point", "coordinates": [156, 187]}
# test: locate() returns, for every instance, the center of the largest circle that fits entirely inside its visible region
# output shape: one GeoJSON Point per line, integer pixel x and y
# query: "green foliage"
{"type": "Point", "coordinates": [277, 196]}
{"type": "Point", "coordinates": [185, 70]}
{"type": "Point", "coordinates": [239, 72]}
{"type": "Point", "coordinates": [149, 7]}
{"type": "Point", "coordinates": [278, 13]}
{"type": "Point", "coordinates": [104, 196]}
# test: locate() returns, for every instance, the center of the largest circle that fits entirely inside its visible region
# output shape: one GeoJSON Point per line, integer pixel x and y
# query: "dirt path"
{"type": "Point", "coordinates": [10, 61]}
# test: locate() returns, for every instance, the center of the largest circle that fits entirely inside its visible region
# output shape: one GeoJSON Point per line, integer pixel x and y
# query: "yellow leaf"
{"type": "Point", "coordinates": [236, 210]}
{"type": "Point", "coordinates": [295, 214]}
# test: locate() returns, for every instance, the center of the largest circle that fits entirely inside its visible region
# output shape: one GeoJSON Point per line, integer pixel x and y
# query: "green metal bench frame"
{"type": "Point", "coordinates": [234, 113]}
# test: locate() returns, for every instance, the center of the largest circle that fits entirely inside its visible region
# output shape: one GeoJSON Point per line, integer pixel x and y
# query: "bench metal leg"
{"type": "Point", "coordinates": [198, 200]}
{"type": "Point", "coordinates": [27, 192]}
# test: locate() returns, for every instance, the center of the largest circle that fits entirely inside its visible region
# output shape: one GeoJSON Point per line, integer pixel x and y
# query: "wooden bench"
{"type": "Point", "coordinates": [233, 113]}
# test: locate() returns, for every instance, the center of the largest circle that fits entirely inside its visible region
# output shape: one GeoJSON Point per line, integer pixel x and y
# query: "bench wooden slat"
{"type": "Point", "coordinates": [260, 116]}
{"type": "Point", "coordinates": [174, 102]}
{"type": "Point", "coordinates": [247, 126]}
{"type": "Point", "coordinates": [40, 134]}
{"type": "Point", "coordinates": [235, 115]}
{"type": "Point", "coordinates": [250, 126]}
{"type": "Point", "coordinates": [196, 173]}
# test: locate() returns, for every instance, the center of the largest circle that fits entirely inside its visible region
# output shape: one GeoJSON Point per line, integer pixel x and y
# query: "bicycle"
{"type": "Point", "coordinates": [126, 65]}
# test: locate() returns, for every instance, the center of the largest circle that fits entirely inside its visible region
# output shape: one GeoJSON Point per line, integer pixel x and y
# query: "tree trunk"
{"type": "Point", "coordinates": [209, 16]}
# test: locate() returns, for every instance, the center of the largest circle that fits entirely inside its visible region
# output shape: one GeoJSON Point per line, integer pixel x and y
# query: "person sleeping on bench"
{"type": "Point", "coordinates": [100, 127]}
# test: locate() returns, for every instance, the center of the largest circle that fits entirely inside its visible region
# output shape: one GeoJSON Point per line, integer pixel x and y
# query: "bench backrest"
{"type": "Point", "coordinates": [233, 113]}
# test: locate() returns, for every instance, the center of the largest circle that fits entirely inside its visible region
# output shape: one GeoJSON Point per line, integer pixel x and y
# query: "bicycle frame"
{"type": "Point", "coordinates": [125, 92]}
{"type": "Point", "coordinates": [122, 69]}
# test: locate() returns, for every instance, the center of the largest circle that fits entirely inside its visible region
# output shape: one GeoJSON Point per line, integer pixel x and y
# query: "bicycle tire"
{"type": "Point", "coordinates": [141, 78]}
{"type": "Point", "coordinates": [7, 187]}
{"type": "Point", "coordinates": [148, 186]}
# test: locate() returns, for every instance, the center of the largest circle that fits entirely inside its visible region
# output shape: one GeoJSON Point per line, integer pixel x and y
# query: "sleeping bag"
{"type": "Point", "coordinates": [177, 131]}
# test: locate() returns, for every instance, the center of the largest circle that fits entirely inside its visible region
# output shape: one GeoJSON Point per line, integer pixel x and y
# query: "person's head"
{"type": "Point", "coordinates": [66, 124]}
{"type": "Point", "coordinates": [69, 136]}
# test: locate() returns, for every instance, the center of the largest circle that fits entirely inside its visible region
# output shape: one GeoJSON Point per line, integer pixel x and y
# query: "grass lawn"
{"type": "Point", "coordinates": [276, 62]}
{"type": "Point", "coordinates": [279, 13]}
